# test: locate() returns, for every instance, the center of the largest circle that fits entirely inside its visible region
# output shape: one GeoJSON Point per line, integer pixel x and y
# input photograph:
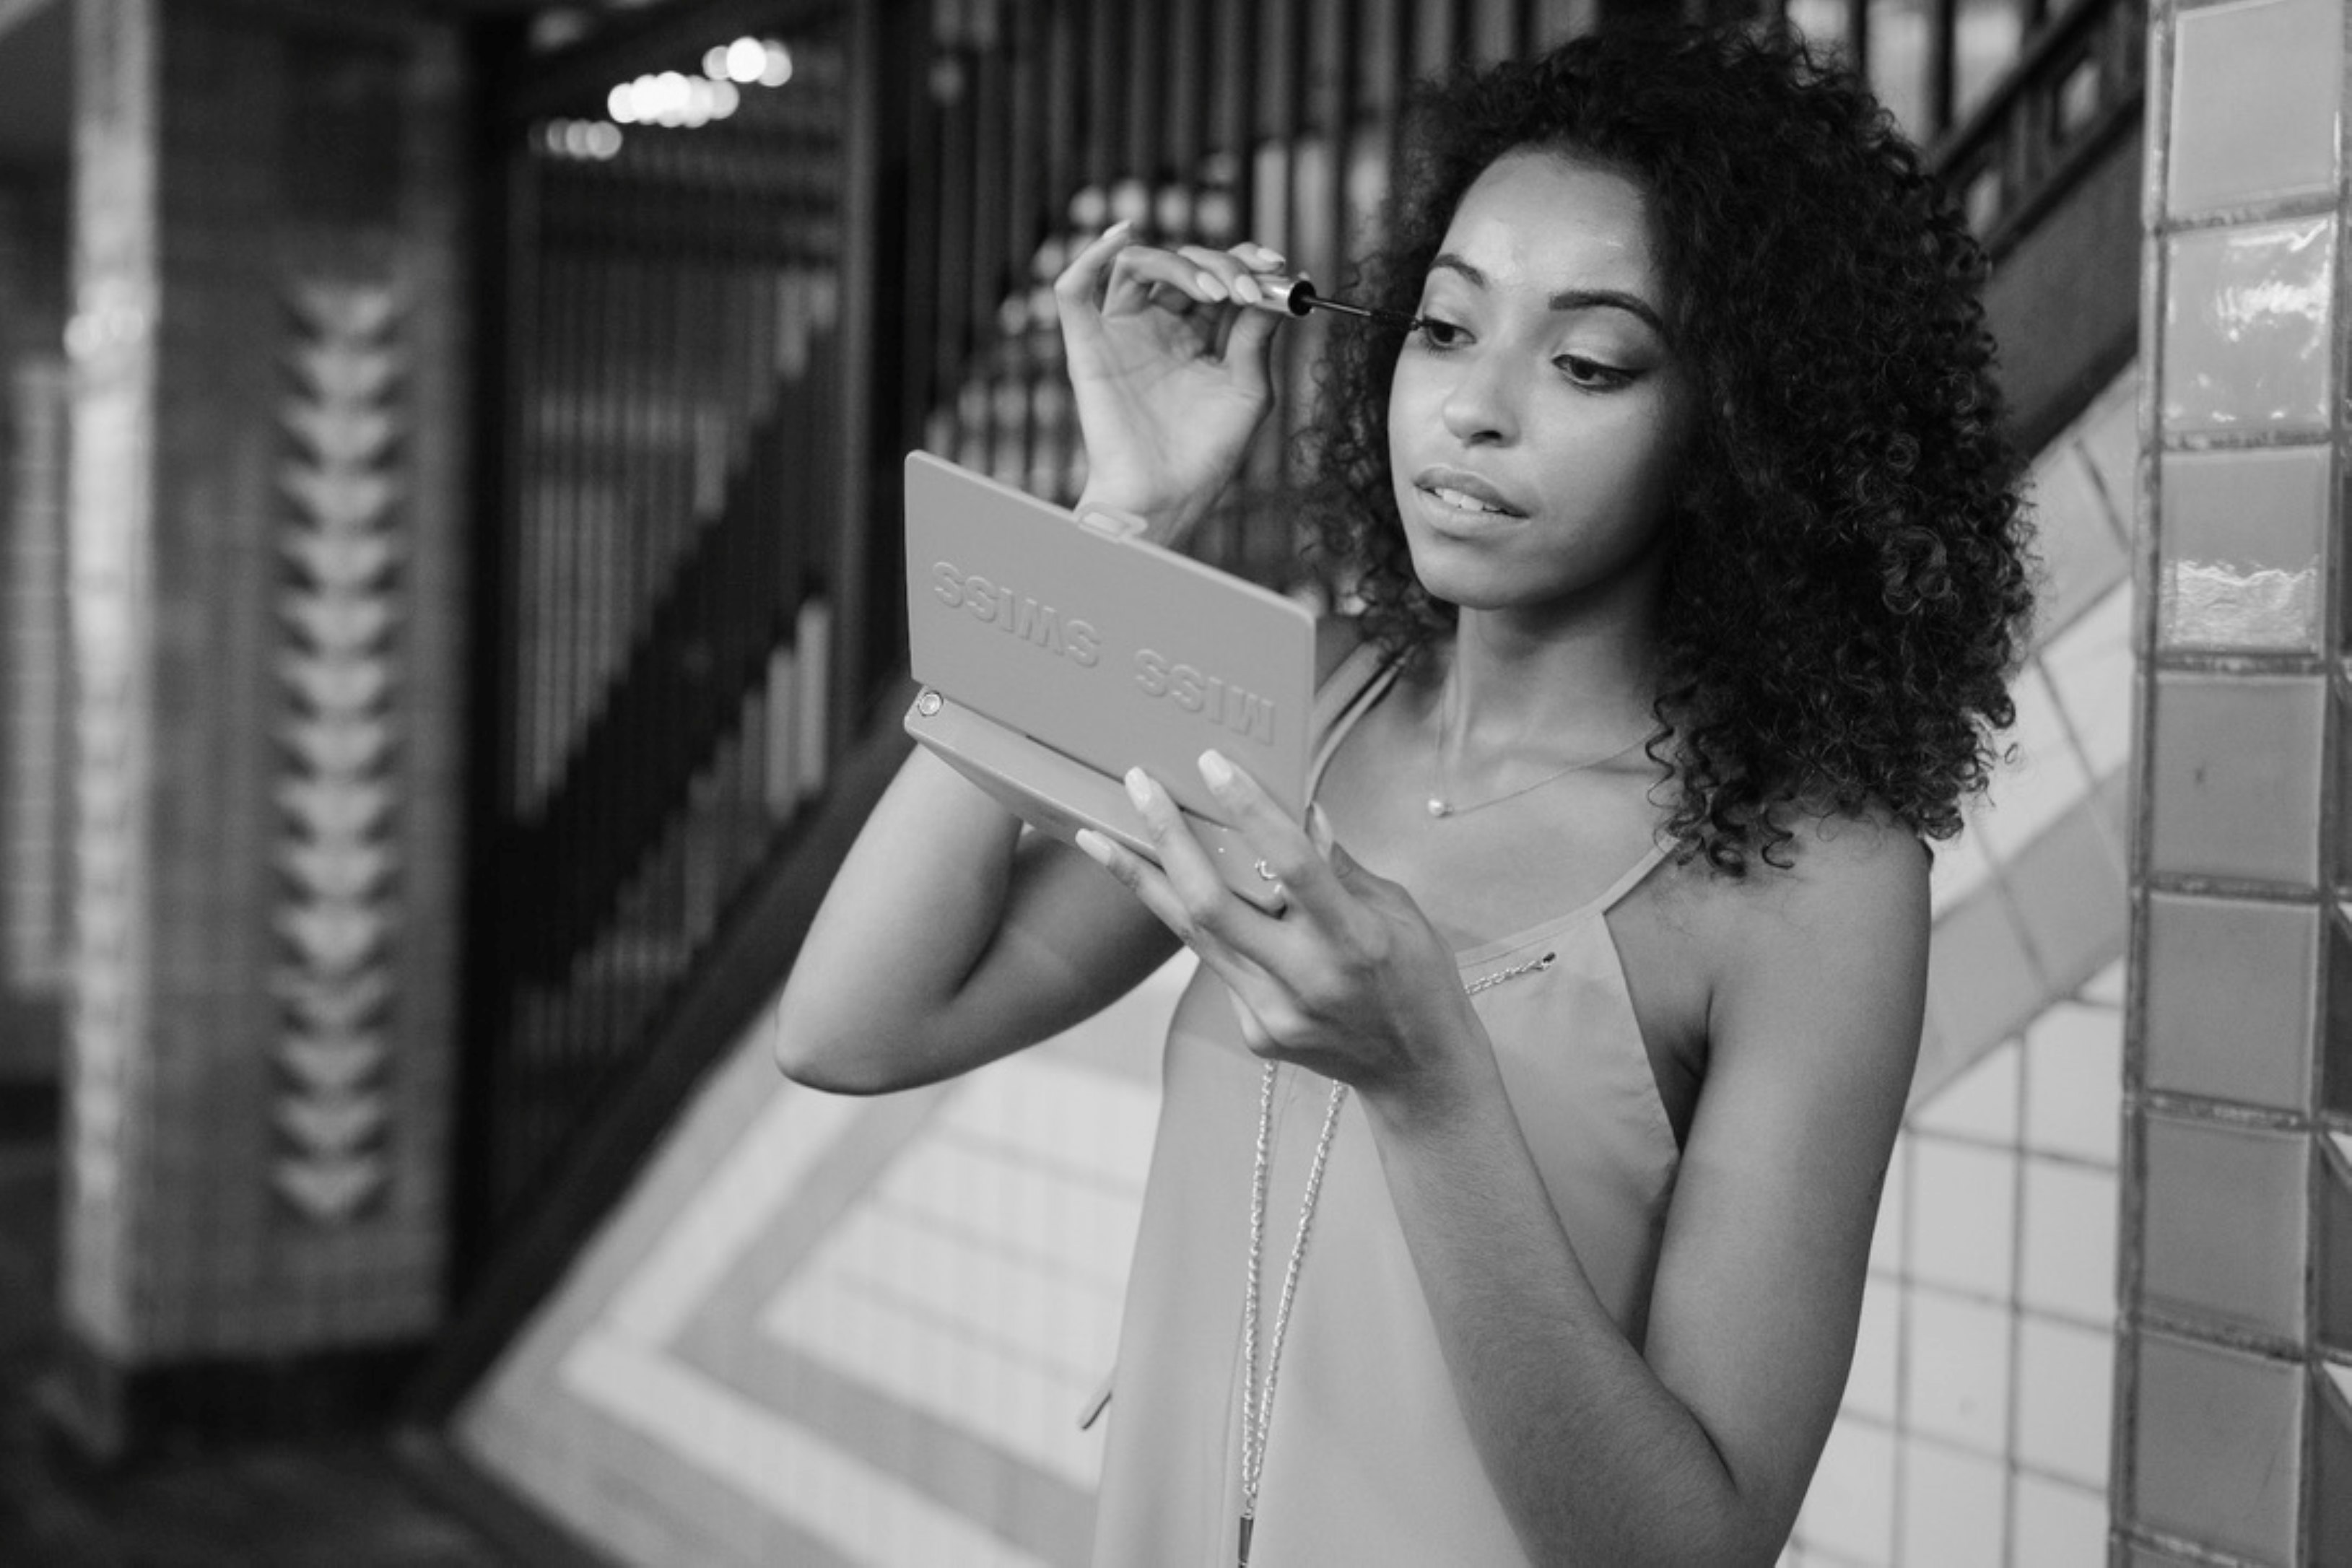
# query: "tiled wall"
{"type": "Point", "coordinates": [2234, 1437]}
{"type": "Point", "coordinates": [268, 405]}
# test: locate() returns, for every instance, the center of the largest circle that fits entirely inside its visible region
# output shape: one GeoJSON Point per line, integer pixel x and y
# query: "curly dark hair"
{"type": "Point", "coordinates": [1846, 574]}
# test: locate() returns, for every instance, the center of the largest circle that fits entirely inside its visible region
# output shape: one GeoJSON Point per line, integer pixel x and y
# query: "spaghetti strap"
{"type": "Point", "coordinates": [1345, 697]}
{"type": "Point", "coordinates": [1631, 879]}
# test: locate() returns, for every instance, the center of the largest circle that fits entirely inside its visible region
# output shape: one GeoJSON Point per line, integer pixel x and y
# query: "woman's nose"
{"type": "Point", "coordinates": [1481, 407]}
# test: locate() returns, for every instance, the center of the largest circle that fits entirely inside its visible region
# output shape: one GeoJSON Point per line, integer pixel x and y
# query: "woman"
{"type": "Point", "coordinates": [1690, 574]}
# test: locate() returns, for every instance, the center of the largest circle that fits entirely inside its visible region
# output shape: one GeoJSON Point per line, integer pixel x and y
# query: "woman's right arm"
{"type": "Point", "coordinates": [949, 936]}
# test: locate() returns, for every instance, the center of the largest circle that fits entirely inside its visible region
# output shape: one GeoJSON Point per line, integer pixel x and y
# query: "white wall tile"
{"type": "Point", "coordinates": [1955, 1371]}
{"type": "Point", "coordinates": [2073, 1082]}
{"type": "Point", "coordinates": [1980, 1103]}
{"type": "Point", "coordinates": [2089, 667]}
{"type": "Point", "coordinates": [2064, 1375]}
{"type": "Point", "coordinates": [1963, 1215]}
{"type": "Point", "coordinates": [1954, 1509]}
{"type": "Point", "coordinates": [2068, 1256]}
{"type": "Point", "coordinates": [1851, 1509]}
{"type": "Point", "coordinates": [2057, 1525]}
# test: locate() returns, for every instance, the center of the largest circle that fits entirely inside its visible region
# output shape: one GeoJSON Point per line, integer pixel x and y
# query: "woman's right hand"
{"type": "Point", "coordinates": [1168, 359]}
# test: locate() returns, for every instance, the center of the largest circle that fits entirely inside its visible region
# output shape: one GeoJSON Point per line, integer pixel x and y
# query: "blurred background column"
{"type": "Point", "coordinates": [2234, 1437]}
{"type": "Point", "coordinates": [264, 601]}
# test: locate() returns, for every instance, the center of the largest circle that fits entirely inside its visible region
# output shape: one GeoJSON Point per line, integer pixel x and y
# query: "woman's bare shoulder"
{"type": "Point", "coordinates": [1835, 936]}
{"type": "Point", "coordinates": [1830, 860]}
{"type": "Point", "coordinates": [1854, 881]}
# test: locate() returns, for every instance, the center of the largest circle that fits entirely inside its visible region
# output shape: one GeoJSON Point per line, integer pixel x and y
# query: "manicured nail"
{"type": "Point", "coordinates": [1095, 847]}
{"type": "Point", "coordinates": [1245, 289]}
{"type": "Point", "coordinates": [1271, 257]}
{"type": "Point", "coordinates": [1139, 788]}
{"type": "Point", "coordinates": [1212, 285]}
{"type": "Point", "coordinates": [1216, 770]}
{"type": "Point", "coordinates": [1121, 226]}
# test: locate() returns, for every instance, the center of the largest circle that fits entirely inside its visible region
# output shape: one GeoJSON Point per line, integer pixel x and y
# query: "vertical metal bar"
{"type": "Point", "coordinates": [1286, 74]}
{"type": "Point", "coordinates": [1049, 455]}
{"type": "Point", "coordinates": [1027, 206]}
{"type": "Point", "coordinates": [1275, 557]}
{"type": "Point", "coordinates": [1234, 79]}
{"type": "Point", "coordinates": [534, 582]}
{"type": "Point", "coordinates": [563, 369]}
{"type": "Point", "coordinates": [954, 153]}
{"type": "Point", "coordinates": [1186, 113]}
{"type": "Point", "coordinates": [875, 220]}
{"type": "Point", "coordinates": [1147, 114]}
{"type": "Point", "coordinates": [1060, 91]}
{"type": "Point", "coordinates": [1105, 142]}
{"type": "Point", "coordinates": [1400, 19]}
{"type": "Point", "coordinates": [1341, 97]}
{"type": "Point", "coordinates": [992, 185]}
{"type": "Point", "coordinates": [1943, 26]}
{"type": "Point", "coordinates": [575, 365]}
{"type": "Point", "coordinates": [501, 207]}
{"type": "Point", "coordinates": [915, 114]}
{"type": "Point", "coordinates": [1527, 26]}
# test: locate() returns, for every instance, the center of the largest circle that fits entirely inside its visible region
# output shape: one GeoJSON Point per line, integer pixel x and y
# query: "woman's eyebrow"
{"type": "Point", "coordinates": [1567, 299]}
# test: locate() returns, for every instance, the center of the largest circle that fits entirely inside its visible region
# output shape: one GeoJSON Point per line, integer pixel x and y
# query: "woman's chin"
{"type": "Point", "coordinates": [1481, 584]}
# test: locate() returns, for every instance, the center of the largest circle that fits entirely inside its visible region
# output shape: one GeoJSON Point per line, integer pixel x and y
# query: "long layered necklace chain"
{"type": "Point", "coordinates": [1440, 805]}
{"type": "Point", "coordinates": [1258, 1395]}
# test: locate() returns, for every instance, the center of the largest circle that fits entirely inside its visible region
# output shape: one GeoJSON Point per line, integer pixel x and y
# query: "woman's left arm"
{"type": "Point", "coordinates": [1696, 1447]}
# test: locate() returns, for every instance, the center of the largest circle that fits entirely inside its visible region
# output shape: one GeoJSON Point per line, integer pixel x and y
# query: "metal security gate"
{"type": "Point", "coordinates": [662, 686]}
{"type": "Point", "coordinates": [719, 331]}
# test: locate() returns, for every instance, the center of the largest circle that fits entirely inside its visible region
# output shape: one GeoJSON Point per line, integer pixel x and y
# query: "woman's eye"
{"type": "Point", "coordinates": [1591, 372]}
{"type": "Point", "coordinates": [1441, 334]}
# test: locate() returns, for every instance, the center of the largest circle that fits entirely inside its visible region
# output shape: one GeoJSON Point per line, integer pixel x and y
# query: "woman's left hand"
{"type": "Point", "coordinates": [1349, 980]}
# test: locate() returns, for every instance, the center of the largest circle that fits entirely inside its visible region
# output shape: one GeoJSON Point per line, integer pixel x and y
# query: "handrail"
{"type": "Point", "coordinates": [2028, 136]}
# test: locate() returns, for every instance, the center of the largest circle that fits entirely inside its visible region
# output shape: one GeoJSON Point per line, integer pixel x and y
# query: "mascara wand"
{"type": "Point", "coordinates": [1297, 296]}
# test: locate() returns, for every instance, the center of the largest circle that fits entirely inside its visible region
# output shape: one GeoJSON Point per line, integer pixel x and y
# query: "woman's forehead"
{"type": "Point", "coordinates": [1545, 221]}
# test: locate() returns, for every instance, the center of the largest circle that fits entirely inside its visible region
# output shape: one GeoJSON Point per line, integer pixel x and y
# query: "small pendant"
{"type": "Point", "coordinates": [1439, 808]}
{"type": "Point", "coordinates": [1246, 1521]}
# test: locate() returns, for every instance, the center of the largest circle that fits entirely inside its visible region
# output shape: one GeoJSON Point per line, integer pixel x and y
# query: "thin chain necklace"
{"type": "Point", "coordinates": [1258, 1394]}
{"type": "Point", "coordinates": [1441, 804]}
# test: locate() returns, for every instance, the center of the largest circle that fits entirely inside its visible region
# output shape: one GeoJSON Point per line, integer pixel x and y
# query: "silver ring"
{"type": "Point", "coordinates": [1267, 871]}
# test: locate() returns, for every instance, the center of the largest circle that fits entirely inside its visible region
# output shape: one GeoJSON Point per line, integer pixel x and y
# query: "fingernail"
{"type": "Point", "coordinates": [1216, 770]}
{"type": "Point", "coordinates": [1094, 846]}
{"type": "Point", "coordinates": [1246, 290]}
{"type": "Point", "coordinates": [1121, 226]}
{"type": "Point", "coordinates": [1139, 788]}
{"type": "Point", "coordinates": [1272, 257]}
{"type": "Point", "coordinates": [1213, 286]}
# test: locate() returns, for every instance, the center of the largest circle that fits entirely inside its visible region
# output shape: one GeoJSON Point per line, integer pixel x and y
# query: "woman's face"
{"type": "Point", "coordinates": [1536, 417]}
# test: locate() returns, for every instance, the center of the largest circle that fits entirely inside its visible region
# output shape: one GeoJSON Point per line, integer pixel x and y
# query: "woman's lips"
{"type": "Point", "coordinates": [1460, 490]}
{"type": "Point", "coordinates": [1452, 510]}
